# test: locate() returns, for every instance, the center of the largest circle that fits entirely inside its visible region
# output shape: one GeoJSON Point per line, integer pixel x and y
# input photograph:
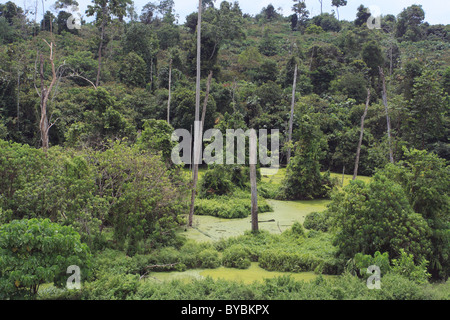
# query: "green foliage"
{"type": "Point", "coordinates": [235, 206]}
{"type": "Point", "coordinates": [292, 251]}
{"type": "Point", "coordinates": [236, 257]}
{"type": "Point", "coordinates": [378, 217]}
{"type": "Point", "coordinates": [327, 22]}
{"type": "Point", "coordinates": [314, 29]}
{"type": "Point", "coordinates": [157, 137]}
{"type": "Point", "coordinates": [216, 181]}
{"type": "Point", "coordinates": [405, 266]}
{"type": "Point", "coordinates": [37, 251]}
{"type": "Point", "coordinates": [319, 221]}
{"type": "Point", "coordinates": [425, 180]}
{"type": "Point", "coordinates": [303, 179]}
{"type": "Point", "coordinates": [132, 70]}
{"type": "Point", "coordinates": [121, 187]}
{"type": "Point", "coordinates": [409, 22]}
{"type": "Point", "coordinates": [362, 262]}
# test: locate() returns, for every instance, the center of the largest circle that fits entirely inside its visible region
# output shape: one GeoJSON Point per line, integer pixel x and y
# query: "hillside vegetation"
{"type": "Point", "coordinates": [86, 121]}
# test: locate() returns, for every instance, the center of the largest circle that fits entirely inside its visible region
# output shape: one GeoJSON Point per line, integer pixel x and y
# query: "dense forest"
{"type": "Point", "coordinates": [87, 178]}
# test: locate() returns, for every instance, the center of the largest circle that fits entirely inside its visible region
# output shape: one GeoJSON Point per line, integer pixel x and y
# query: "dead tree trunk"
{"type": "Point", "coordinates": [44, 125]}
{"type": "Point", "coordinates": [254, 192]}
{"type": "Point", "coordinates": [197, 144]}
{"type": "Point", "coordinates": [291, 119]}
{"type": "Point", "coordinates": [358, 151]}
{"type": "Point", "coordinates": [170, 88]}
{"type": "Point", "coordinates": [205, 102]}
{"type": "Point", "coordinates": [253, 185]}
{"type": "Point", "coordinates": [388, 120]}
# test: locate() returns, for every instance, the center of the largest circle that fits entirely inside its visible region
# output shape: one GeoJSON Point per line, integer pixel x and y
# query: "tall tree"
{"type": "Point", "coordinates": [44, 124]}
{"type": "Point", "coordinates": [197, 126]}
{"type": "Point", "coordinates": [104, 11]}
{"type": "Point", "coordinates": [337, 4]}
{"type": "Point", "coordinates": [291, 118]}
{"type": "Point", "coordinates": [388, 119]}
{"type": "Point", "coordinates": [302, 14]}
{"type": "Point", "coordinates": [170, 91]}
{"type": "Point", "coordinates": [409, 22]}
{"type": "Point", "coordinates": [362, 16]}
{"type": "Point", "coordinates": [253, 183]}
{"type": "Point", "coordinates": [358, 151]}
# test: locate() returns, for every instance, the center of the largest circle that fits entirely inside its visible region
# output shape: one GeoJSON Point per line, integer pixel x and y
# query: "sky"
{"type": "Point", "coordinates": [436, 11]}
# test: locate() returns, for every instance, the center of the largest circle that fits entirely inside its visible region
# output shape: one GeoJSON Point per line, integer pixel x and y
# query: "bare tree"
{"type": "Point", "coordinates": [291, 119]}
{"type": "Point", "coordinates": [205, 102]}
{"type": "Point", "coordinates": [358, 151]}
{"type": "Point", "coordinates": [197, 144]}
{"type": "Point", "coordinates": [321, 6]}
{"type": "Point", "coordinates": [170, 88]}
{"type": "Point", "coordinates": [391, 156]}
{"type": "Point", "coordinates": [253, 185]}
{"type": "Point", "coordinates": [44, 125]}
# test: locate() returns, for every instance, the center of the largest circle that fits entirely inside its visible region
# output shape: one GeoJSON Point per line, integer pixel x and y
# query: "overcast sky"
{"type": "Point", "coordinates": [436, 11]}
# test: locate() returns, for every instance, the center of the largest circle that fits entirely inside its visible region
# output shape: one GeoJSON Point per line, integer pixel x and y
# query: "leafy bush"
{"type": "Point", "coordinates": [121, 187]}
{"type": "Point", "coordinates": [288, 261]}
{"type": "Point", "coordinates": [303, 179]}
{"type": "Point", "coordinates": [37, 251]}
{"type": "Point", "coordinates": [378, 217]}
{"type": "Point", "coordinates": [216, 181]}
{"type": "Point", "coordinates": [362, 262]}
{"type": "Point", "coordinates": [319, 221]}
{"type": "Point", "coordinates": [230, 207]}
{"type": "Point", "coordinates": [236, 257]}
{"type": "Point", "coordinates": [405, 266]}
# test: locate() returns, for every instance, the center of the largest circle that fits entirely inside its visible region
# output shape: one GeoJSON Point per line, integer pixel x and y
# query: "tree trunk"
{"type": "Point", "coordinates": [358, 151]}
{"type": "Point", "coordinates": [254, 197]}
{"type": "Point", "coordinates": [291, 119]}
{"type": "Point", "coordinates": [254, 191]}
{"type": "Point", "coordinates": [45, 93]}
{"type": "Point", "coordinates": [100, 54]}
{"type": "Point", "coordinates": [391, 156]}
{"type": "Point", "coordinates": [43, 125]}
{"type": "Point", "coordinates": [205, 102]}
{"type": "Point", "coordinates": [170, 85]}
{"type": "Point", "coordinates": [197, 116]}
{"type": "Point", "coordinates": [18, 100]}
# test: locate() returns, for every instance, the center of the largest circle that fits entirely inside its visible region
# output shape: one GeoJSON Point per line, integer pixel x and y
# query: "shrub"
{"type": "Point", "coordinates": [362, 262]}
{"type": "Point", "coordinates": [405, 266]}
{"type": "Point", "coordinates": [37, 251]}
{"type": "Point", "coordinates": [378, 217]}
{"type": "Point", "coordinates": [215, 181]}
{"type": "Point", "coordinates": [209, 259]}
{"type": "Point", "coordinates": [314, 29]}
{"type": "Point", "coordinates": [111, 287]}
{"type": "Point", "coordinates": [319, 221]}
{"type": "Point", "coordinates": [272, 260]}
{"type": "Point", "coordinates": [230, 207]}
{"type": "Point", "coordinates": [236, 257]}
